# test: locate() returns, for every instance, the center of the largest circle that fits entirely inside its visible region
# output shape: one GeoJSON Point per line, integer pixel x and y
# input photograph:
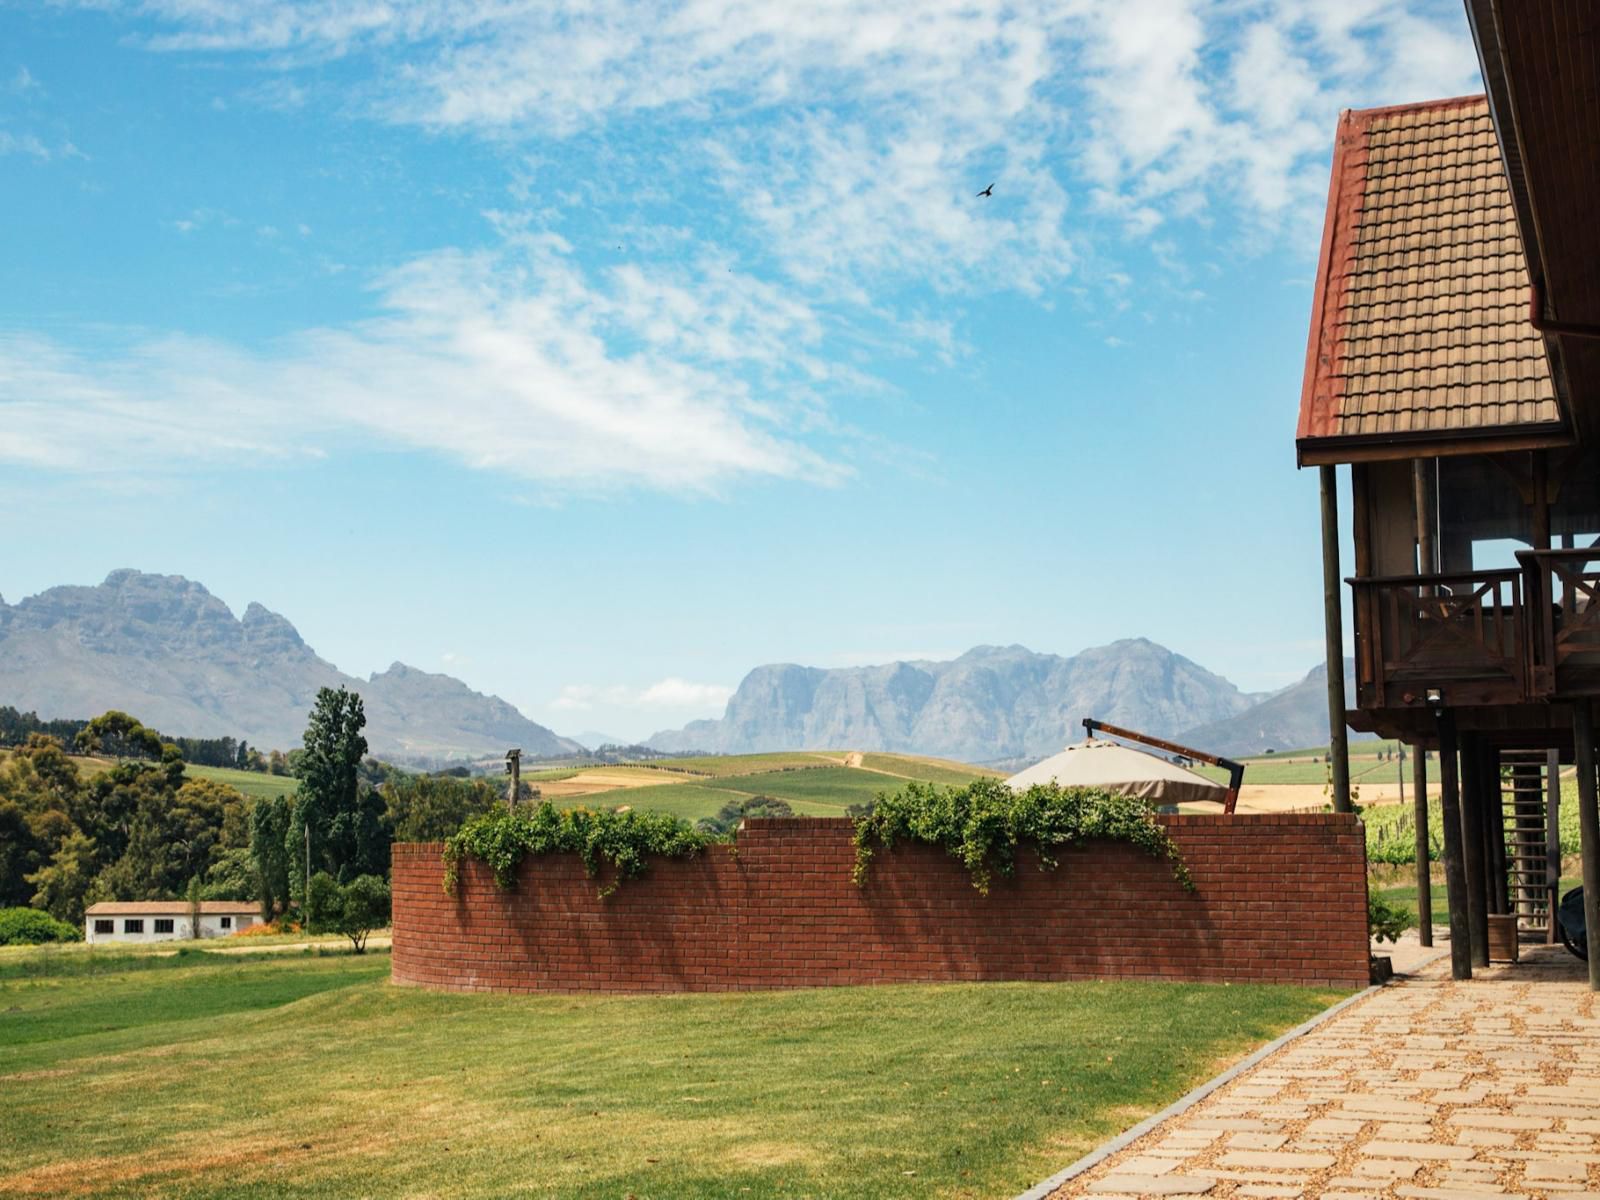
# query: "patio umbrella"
{"type": "Point", "coordinates": [1119, 768]}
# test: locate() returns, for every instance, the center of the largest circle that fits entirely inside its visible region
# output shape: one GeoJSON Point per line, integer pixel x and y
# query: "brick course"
{"type": "Point", "coordinates": [1279, 898]}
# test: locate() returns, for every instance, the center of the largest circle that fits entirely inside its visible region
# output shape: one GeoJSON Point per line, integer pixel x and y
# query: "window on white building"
{"type": "Point", "coordinates": [163, 924]}
{"type": "Point", "coordinates": [227, 922]}
{"type": "Point", "coordinates": [133, 925]}
{"type": "Point", "coordinates": [104, 925]}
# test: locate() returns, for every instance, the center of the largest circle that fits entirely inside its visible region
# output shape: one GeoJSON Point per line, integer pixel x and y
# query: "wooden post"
{"type": "Point", "coordinates": [1494, 795]}
{"type": "Point", "coordinates": [1552, 840]}
{"type": "Point", "coordinates": [1473, 842]}
{"type": "Point", "coordinates": [513, 769]}
{"type": "Point", "coordinates": [1455, 873]}
{"type": "Point", "coordinates": [1333, 626]}
{"type": "Point", "coordinates": [1589, 828]}
{"type": "Point", "coordinates": [1422, 488]}
{"type": "Point", "coordinates": [1419, 802]}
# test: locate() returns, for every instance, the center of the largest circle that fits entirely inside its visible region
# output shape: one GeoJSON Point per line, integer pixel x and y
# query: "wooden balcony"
{"type": "Point", "coordinates": [1563, 597]}
{"type": "Point", "coordinates": [1461, 635]}
{"type": "Point", "coordinates": [1516, 636]}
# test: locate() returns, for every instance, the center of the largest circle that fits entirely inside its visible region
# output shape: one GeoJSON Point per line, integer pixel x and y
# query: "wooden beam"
{"type": "Point", "coordinates": [1419, 801]}
{"type": "Point", "coordinates": [1494, 811]}
{"type": "Point", "coordinates": [1473, 841]}
{"type": "Point", "coordinates": [1333, 625]}
{"type": "Point", "coordinates": [1589, 830]}
{"type": "Point", "coordinates": [1455, 873]}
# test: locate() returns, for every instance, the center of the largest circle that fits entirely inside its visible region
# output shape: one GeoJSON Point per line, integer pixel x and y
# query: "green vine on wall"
{"type": "Point", "coordinates": [983, 823]}
{"type": "Point", "coordinates": [622, 841]}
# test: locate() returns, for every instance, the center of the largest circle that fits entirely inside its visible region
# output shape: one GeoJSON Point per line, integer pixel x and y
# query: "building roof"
{"type": "Point", "coordinates": [161, 908]}
{"type": "Point", "coordinates": [1420, 339]}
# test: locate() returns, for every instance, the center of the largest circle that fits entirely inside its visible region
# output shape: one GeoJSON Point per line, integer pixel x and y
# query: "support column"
{"type": "Point", "coordinates": [1494, 810]}
{"type": "Point", "coordinates": [1473, 841]}
{"type": "Point", "coordinates": [1333, 626]}
{"type": "Point", "coordinates": [1455, 873]}
{"type": "Point", "coordinates": [1589, 827]}
{"type": "Point", "coordinates": [1419, 801]}
{"type": "Point", "coordinates": [1552, 840]}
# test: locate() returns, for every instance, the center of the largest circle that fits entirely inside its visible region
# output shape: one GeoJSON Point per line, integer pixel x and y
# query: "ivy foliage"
{"type": "Point", "coordinates": [619, 842]}
{"type": "Point", "coordinates": [984, 822]}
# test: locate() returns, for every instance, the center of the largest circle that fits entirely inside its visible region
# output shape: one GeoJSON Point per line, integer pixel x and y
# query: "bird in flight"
{"type": "Point", "coordinates": [988, 191]}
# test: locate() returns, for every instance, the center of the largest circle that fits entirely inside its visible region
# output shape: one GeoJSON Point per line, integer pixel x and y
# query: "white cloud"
{"type": "Point", "coordinates": [500, 360]}
{"type": "Point", "coordinates": [670, 694]}
{"type": "Point", "coordinates": [839, 119]}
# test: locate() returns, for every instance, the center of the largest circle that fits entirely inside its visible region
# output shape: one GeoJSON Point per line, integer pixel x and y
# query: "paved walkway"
{"type": "Point", "coordinates": [1427, 1088]}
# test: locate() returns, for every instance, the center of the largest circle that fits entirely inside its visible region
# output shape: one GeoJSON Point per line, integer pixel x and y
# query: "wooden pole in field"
{"type": "Point", "coordinates": [1473, 842]}
{"type": "Point", "coordinates": [514, 769]}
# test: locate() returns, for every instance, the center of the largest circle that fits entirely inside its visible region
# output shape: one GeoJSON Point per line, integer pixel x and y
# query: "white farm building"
{"type": "Point", "coordinates": [165, 920]}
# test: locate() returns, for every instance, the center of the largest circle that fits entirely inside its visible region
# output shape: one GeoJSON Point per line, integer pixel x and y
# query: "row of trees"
{"type": "Point", "coordinates": [102, 736]}
{"type": "Point", "coordinates": [146, 830]}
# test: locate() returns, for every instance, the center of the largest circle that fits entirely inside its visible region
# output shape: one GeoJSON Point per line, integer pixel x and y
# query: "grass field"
{"type": "Point", "coordinates": [814, 783]}
{"type": "Point", "coordinates": [1405, 895]}
{"type": "Point", "coordinates": [255, 784]}
{"type": "Point", "coordinates": [310, 1076]}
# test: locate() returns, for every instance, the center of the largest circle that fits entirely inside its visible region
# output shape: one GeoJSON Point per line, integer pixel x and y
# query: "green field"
{"type": "Point", "coordinates": [833, 788]}
{"type": "Point", "coordinates": [307, 1076]}
{"type": "Point", "coordinates": [1405, 895]}
{"type": "Point", "coordinates": [255, 784]}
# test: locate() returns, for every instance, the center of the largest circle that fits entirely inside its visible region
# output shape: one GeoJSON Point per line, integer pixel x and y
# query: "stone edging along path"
{"type": "Point", "coordinates": [1187, 1101]}
{"type": "Point", "coordinates": [1427, 1089]}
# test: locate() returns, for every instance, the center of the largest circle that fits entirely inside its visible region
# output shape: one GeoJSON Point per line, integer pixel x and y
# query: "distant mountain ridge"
{"type": "Point", "coordinates": [165, 649]}
{"type": "Point", "coordinates": [1293, 719]}
{"type": "Point", "coordinates": [993, 703]}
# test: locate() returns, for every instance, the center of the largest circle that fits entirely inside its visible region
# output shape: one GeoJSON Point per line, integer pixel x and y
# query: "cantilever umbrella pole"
{"type": "Point", "coordinates": [1235, 769]}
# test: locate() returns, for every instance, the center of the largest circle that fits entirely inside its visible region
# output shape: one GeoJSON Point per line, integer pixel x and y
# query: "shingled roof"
{"type": "Point", "coordinates": [1420, 341]}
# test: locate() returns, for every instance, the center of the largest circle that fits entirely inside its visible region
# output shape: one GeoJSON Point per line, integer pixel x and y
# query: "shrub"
{"type": "Point", "coordinates": [984, 822]}
{"type": "Point", "coordinates": [353, 909]}
{"type": "Point", "coordinates": [29, 927]}
{"type": "Point", "coordinates": [730, 814]}
{"type": "Point", "coordinates": [1386, 921]}
{"type": "Point", "coordinates": [620, 841]}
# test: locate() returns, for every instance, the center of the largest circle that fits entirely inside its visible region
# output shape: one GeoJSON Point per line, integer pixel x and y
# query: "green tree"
{"type": "Point", "coordinates": [429, 808]}
{"type": "Point", "coordinates": [353, 909]}
{"type": "Point", "coordinates": [119, 735]}
{"type": "Point", "coordinates": [68, 883]}
{"type": "Point", "coordinates": [172, 835]}
{"type": "Point", "coordinates": [348, 835]}
{"type": "Point", "coordinates": [196, 898]}
{"type": "Point", "coordinates": [270, 822]}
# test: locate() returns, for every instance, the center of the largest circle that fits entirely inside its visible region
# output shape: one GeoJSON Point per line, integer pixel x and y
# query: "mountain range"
{"type": "Point", "coordinates": [1005, 704]}
{"type": "Point", "coordinates": [165, 649]}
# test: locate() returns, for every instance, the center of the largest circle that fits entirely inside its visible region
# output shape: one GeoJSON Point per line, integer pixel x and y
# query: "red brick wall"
{"type": "Point", "coordinates": [1279, 898]}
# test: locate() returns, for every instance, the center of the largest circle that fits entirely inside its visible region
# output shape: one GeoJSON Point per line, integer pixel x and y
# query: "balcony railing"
{"type": "Point", "coordinates": [1563, 595]}
{"type": "Point", "coordinates": [1464, 634]}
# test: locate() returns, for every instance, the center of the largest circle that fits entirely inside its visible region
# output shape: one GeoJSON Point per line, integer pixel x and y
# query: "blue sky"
{"type": "Point", "coordinates": [596, 353]}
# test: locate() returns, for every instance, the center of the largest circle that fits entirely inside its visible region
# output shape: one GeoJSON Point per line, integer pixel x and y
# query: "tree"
{"type": "Point", "coordinates": [348, 835]}
{"type": "Point", "coordinates": [196, 900]}
{"type": "Point", "coordinates": [269, 833]}
{"type": "Point", "coordinates": [429, 808]}
{"type": "Point", "coordinates": [353, 909]}
{"type": "Point", "coordinates": [66, 886]}
{"type": "Point", "coordinates": [119, 735]}
{"type": "Point", "coordinates": [172, 835]}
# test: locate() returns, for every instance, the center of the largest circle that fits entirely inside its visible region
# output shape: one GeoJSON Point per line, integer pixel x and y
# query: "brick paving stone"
{"type": "Point", "coordinates": [1427, 1090]}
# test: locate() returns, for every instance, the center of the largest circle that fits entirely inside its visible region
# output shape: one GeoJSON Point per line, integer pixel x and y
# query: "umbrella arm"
{"type": "Point", "coordinates": [1235, 769]}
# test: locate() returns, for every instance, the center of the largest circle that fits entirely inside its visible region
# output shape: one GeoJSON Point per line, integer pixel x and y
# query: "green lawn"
{"type": "Point", "coordinates": [311, 1076]}
{"type": "Point", "coordinates": [255, 784]}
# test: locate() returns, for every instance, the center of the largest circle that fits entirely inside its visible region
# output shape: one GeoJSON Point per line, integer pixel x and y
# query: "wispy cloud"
{"type": "Point", "coordinates": [500, 360]}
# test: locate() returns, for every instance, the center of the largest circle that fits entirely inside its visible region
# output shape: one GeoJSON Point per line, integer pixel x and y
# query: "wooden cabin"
{"type": "Point", "coordinates": [1449, 367]}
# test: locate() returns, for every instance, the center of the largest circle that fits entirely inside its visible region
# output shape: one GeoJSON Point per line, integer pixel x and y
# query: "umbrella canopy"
{"type": "Point", "coordinates": [1119, 768]}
